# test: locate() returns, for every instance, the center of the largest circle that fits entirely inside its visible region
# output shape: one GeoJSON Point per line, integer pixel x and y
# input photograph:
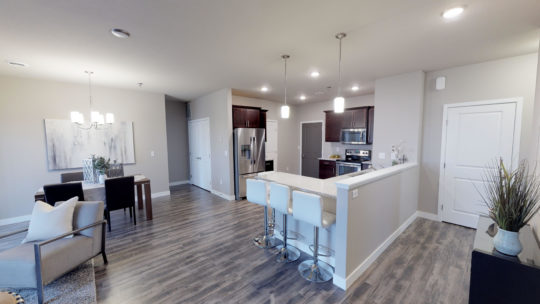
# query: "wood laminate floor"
{"type": "Point", "coordinates": [198, 249]}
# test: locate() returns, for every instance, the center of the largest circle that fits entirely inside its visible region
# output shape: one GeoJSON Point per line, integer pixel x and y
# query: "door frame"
{"type": "Point", "coordinates": [277, 141]}
{"type": "Point", "coordinates": [322, 139]}
{"type": "Point", "coordinates": [515, 149]}
{"type": "Point", "coordinates": [191, 121]}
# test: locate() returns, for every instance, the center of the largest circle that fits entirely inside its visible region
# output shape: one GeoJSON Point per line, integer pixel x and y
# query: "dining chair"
{"type": "Point", "coordinates": [120, 194]}
{"type": "Point", "coordinates": [62, 192]}
{"type": "Point", "coordinates": [71, 177]}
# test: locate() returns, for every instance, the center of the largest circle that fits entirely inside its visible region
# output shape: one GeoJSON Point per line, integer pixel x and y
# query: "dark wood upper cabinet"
{"type": "Point", "coordinates": [249, 117]}
{"type": "Point", "coordinates": [352, 118]}
{"type": "Point", "coordinates": [333, 124]}
{"type": "Point", "coordinates": [371, 115]}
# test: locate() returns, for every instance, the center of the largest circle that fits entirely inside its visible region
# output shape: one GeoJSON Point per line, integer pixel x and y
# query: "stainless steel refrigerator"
{"type": "Point", "coordinates": [249, 157]}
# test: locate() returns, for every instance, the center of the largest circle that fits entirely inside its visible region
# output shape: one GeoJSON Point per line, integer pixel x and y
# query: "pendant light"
{"type": "Point", "coordinates": [339, 101]}
{"type": "Point", "coordinates": [285, 109]}
{"type": "Point", "coordinates": [96, 119]}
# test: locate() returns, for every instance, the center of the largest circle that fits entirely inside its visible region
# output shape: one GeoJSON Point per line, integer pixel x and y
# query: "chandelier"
{"type": "Point", "coordinates": [97, 119]}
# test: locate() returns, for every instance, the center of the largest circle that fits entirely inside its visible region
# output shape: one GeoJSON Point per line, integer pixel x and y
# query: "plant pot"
{"type": "Point", "coordinates": [102, 178]}
{"type": "Point", "coordinates": [507, 242]}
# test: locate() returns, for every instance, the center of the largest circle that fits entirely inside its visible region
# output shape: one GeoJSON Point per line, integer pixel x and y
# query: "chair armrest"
{"type": "Point", "coordinates": [102, 222]}
{"type": "Point", "coordinates": [13, 233]}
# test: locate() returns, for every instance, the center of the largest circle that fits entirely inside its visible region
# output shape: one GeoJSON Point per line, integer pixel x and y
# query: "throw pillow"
{"type": "Point", "coordinates": [48, 222]}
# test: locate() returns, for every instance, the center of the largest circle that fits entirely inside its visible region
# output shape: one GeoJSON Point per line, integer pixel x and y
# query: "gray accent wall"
{"type": "Point", "coordinates": [217, 106]}
{"type": "Point", "coordinates": [534, 154]}
{"type": "Point", "coordinates": [25, 103]}
{"type": "Point", "coordinates": [177, 139]}
{"type": "Point", "coordinates": [509, 77]}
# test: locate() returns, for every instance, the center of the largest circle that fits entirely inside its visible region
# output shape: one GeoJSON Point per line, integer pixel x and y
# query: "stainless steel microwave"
{"type": "Point", "coordinates": [354, 136]}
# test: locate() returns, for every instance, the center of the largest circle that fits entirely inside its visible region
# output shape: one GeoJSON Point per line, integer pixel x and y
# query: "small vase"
{"type": "Point", "coordinates": [507, 242]}
{"type": "Point", "coordinates": [102, 178]}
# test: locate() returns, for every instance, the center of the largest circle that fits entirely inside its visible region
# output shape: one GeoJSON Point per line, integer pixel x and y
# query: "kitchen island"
{"type": "Point", "coordinates": [372, 208]}
{"type": "Point", "coordinates": [303, 232]}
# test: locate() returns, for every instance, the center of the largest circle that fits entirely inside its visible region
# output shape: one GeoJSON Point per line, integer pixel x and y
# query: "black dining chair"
{"type": "Point", "coordinates": [62, 192]}
{"type": "Point", "coordinates": [120, 194]}
{"type": "Point", "coordinates": [71, 177]}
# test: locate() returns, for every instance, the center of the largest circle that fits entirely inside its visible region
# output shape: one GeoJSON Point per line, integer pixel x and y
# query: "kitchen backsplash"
{"type": "Point", "coordinates": [330, 148]}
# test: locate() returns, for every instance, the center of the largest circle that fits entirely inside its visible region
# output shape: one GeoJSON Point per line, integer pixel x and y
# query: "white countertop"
{"type": "Point", "coordinates": [323, 187]}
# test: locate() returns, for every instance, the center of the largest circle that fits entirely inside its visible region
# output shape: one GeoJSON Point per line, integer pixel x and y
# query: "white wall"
{"type": "Point", "coordinates": [25, 103]}
{"type": "Point", "coordinates": [315, 112]}
{"type": "Point", "coordinates": [287, 139]}
{"type": "Point", "coordinates": [177, 140]}
{"type": "Point", "coordinates": [398, 116]}
{"type": "Point", "coordinates": [534, 151]}
{"type": "Point", "coordinates": [217, 106]}
{"type": "Point", "coordinates": [509, 77]}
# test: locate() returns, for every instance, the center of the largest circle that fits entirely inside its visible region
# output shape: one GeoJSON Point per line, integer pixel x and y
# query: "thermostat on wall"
{"type": "Point", "coordinates": [440, 83]}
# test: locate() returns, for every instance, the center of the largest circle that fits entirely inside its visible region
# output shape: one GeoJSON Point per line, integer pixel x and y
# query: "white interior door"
{"type": "Point", "coordinates": [474, 138]}
{"type": "Point", "coordinates": [199, 153]}
{"type": "Point", "coordinates": [271, 147]}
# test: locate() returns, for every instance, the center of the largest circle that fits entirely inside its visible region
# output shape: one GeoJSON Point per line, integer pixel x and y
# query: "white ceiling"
{"type": "Point", "coordinates": [189, 48]}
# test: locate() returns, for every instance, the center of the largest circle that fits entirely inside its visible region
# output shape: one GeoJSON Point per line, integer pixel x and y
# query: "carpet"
{"type": "Point", "coordinates": [77, 286]}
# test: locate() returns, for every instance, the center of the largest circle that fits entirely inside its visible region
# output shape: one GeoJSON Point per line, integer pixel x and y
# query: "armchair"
{"type": "Point", "coordinates": [35, 264]}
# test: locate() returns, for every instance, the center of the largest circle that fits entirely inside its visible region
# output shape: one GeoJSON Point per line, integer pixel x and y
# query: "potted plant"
{"type": "Point", "coordinates": [101, 165]}
{"type": "Point", "coordinates": [512, 199]}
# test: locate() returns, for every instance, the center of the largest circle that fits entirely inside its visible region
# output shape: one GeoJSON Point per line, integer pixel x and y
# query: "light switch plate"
{"type": "Point", "coordinates": [382, 155]}
{"type": "Point", "coordinates": [152, 153]}
{"type": "Point", "coordinates": [355, 193]}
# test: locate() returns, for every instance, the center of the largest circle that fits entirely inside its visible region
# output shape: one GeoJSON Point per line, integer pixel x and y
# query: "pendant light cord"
{"type": "Point", "coordinates": [339, 68]}
{"type": "Point", "coordinates": [90, 87]}
{"type": "Point", "coordinates": [285, 57]}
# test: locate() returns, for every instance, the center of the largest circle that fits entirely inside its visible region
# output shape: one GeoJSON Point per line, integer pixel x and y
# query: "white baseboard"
{"type": "Point", "coordinates": [223, 195]}
{"type": "Point", "coordinates": [13, 220]}
{"type": "Point", "coordinates": [428, 215]}
{"type": "Point", "coordinates": [177, 183]}
{"type": "Point", "coordinates": [344, 284]}
{"type": "Point", "coordinates": [160, 194]}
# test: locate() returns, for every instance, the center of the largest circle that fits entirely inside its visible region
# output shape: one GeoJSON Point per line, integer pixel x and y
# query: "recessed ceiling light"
{"type": "Point", "coordinates": [264, 89]}
{"type": "Point", "coordinates": [314, 74]}
{"type": "Point", "coordinates": [302, 97]}
{"type": "Point", "coordinates": [453, 12]}
{"type": "Point", "coordinates": [120, 33]}
{"type": "Point", "coordinates": [355, 88]}
{"type": "Point", "coordinates": [17, 63]}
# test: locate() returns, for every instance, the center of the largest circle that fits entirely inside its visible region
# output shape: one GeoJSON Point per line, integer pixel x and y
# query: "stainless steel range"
{"type": "Point", "coordinates": [355, 160]}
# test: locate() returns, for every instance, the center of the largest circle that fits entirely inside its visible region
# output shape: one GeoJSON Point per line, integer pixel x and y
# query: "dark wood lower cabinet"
{"type": "Point", "coordinates": [327, 168]}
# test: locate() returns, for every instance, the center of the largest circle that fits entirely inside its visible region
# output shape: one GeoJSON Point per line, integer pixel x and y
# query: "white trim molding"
{"type": "Point", "coordinates": [223, 195]}
{"type": "Point", "coordinates": [177, 183]}
{"type": "Point", "coordinates": [355, 274]}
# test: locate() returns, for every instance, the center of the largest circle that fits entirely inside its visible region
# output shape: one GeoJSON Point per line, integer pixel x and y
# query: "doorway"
{"type": "Point", "coordinates": [475, 135]}
{"type": "Point", "coordinates": [199, 153]}
{"type": "Point", "coordinates": [311, 148]}
{"type": "Point", "coordinates": [272, 142]}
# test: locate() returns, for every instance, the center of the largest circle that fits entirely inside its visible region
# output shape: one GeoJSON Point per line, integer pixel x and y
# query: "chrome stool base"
{"type": "Point", "coordinates": [266, 241]}
{"type": "Point", "coordinates": [320, 272]}
{"type": "Point", "coordinates": [287, 254]}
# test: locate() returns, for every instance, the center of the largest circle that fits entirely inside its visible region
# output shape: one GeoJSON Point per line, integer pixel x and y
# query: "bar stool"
{"type": "Point", "coordinates": [257, 193]}
{"type": "Point", "coordinates": [309, 208]}
{"type": "Point", "coordinates": [280, 200]}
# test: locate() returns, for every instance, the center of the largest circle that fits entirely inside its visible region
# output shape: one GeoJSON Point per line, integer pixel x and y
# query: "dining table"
{"type": "Point", "coordinates": [96, 192]}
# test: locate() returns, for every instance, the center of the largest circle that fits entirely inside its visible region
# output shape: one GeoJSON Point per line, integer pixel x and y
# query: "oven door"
{"type": "Point", "coordinates": [346, 168]}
